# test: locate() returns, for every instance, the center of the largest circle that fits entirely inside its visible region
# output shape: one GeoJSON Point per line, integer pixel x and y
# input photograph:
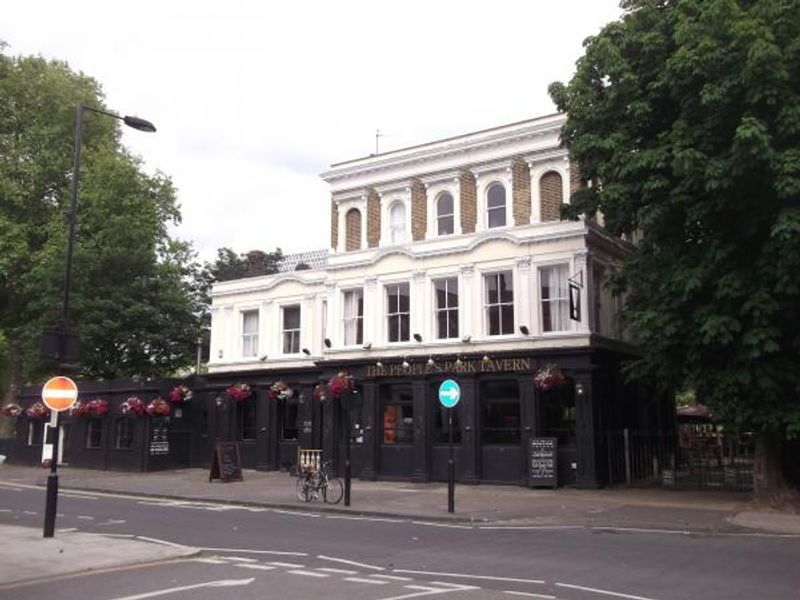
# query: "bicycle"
{"type": "Point", "coordinates": [313, 483]}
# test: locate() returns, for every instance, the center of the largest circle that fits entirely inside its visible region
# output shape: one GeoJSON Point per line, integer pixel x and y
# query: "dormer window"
{"type": "Point", "coordinates": [496, 205]}
{"type": "Point", "coordinates": [445, 214]}
{"type": "Point", "coordinates": [397, 223]}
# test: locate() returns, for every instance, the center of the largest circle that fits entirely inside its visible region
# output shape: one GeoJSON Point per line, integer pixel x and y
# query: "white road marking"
{"type": "Point", "coordinates": [427, 591]}
{"type": "Point", "coordinates": [210, 561]}
{"type": "Point", "coordinates": [219, 583]}
{"type": "Point", "coordinates": [642, 530]}
{"type": "Point", "coordinates": [374, 519]}
{"type": "Point", "coordinates": [248, 551]}
{"type": "Point", "coordinates": [257, 567]}
{"type": "Point", "coordinates": [5, 510]}
{"type": "Point", "coordinates": [86, 518]}
{"type": "Point", "coordinates": [308, 573]}
{"type": "Point", "coordinates": [606, 592]}
{"type": "Point", "coordinates": [33, 512]}
{"type": "Point", "coordinates": [162, 542]}
{"type": "Point", "coordinates": [77, 496]}
{"type": "Point", "coordinates": [350, 562]}
{"type": "Point", "coordinates": [337, 571]}
{"type": "Point", "coordinates": [113, 522]}
{"type": "Point", "coordinates": [392, 577]}
{"type": "Point", "coordinates": [67, 530]}
{"type": "Point", "coordinates": [531, 527]}
{"type": "Point", "coordinates": [459, 586]}
{"type": "Point", "coordinates": [296, 513]}
{"type": "Point", "coordinates": [451, 525]}
{"type": "Point", "coordinates": [362, 580]}
{"type": "Point", "coordinates": [286, 564]}
{"type": "Point", "coordinates": [465, 576]}
{"type": "Point", "coordinates": [239, 558]}
{"type": "Point", "coordinates": [530, 595]}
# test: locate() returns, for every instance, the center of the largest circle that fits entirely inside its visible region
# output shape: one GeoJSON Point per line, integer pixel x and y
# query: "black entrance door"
{"type": "Point", "coordinates": [500, 436]}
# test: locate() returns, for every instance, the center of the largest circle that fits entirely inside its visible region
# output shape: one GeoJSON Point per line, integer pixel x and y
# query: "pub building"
{"type": "Point", "coordinates": [447, 260]}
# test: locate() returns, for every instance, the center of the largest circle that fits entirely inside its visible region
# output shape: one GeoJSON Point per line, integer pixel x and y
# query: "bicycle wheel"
{"type": "Point", "coordinates": [333, 490]}
{"type": "Point", "coordinates": [303, 488]}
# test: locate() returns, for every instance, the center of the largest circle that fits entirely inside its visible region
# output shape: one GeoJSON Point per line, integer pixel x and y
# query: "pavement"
{"type": "Point", "coordinates": [702, 512]}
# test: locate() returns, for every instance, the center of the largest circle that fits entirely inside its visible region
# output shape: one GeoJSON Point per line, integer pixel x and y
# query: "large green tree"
{"type": "Point", "coordinates": [133, 301]}
{"type": "Point", "coordinates": [684, 117]}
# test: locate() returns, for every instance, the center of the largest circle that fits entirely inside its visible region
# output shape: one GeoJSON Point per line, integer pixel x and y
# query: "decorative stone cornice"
{"type": "Point", "coordinates": [523, 262]}
{"type": "Point", "coordinates": [452, 176]}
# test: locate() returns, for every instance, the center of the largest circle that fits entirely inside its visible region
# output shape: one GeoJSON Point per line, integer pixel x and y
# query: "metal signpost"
{"type": "Point", "coordinates": [449, 395]}
{"type": "Point", "coordinates": [58, 394]}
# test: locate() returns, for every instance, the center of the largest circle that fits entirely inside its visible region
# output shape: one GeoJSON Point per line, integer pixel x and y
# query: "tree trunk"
{"type": "Point", "coordinates": [769, 483]}
{"type": "Point", "coordinates": [13, 376]}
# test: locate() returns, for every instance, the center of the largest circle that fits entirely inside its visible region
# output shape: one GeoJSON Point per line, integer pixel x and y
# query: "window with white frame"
{"type": "Point", "coordinates": [397, 223]}
{"type": "Point", "coordinates": [554, 297]}
{"type": "Point", "coordinates": [291, 329]}
{"type": "Point", "coordinates": [353, 317]}
{"type": "Point", "coordinates": [250, 333]}
{"type": "Point", "coordinates": [398, 312]}
{"type": "Point", "coordinates": [496, 205]}
{"type": "Point", "coordinates": [499, 303]}
{"type": "Point", "coordinates": [445, 214]}
{"type": "Point", "coordinates": [446, 291]}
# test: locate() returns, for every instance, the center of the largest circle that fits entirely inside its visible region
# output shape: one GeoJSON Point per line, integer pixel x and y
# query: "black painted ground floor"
{"type": "Point", "coordinates": [391, 417]}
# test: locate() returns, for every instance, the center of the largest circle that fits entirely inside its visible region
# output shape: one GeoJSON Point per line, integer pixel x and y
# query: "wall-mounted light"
{"type": "Point", "coordinates": [405, 363]}
{"type": "Point", "coordinates": [466, 339]}
{"type": "Point", "coordinates": [306, 351]}
{"type": "Point", "coordinates": [379, 364]}
{"type": "Point", "coordinates": [262, 358]}
{"type": "Point", "coordinates": [485, 358]}
{"type": "Point", "coordinates": [327, 342]}
{"type": "Point", "coordinates": [579, 389]}
{"type": "Point", "coordinates": [430, 361]}
{"type": "Point", "coordinates": [367, 345]}
{"type": "Point", "coordinates": [418, 337]}
{"type": "Point", "coordinates": [523, 329]}
{"type": "Point", "coordinates": [458, 361]}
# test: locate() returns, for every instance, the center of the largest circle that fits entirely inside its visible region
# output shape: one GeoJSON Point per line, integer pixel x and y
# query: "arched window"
{"type": "Point", "coordinates": [352, 224]}
{"type": "Point", "coordinates": [445, 217]}
{"type": "Point", "coordinates": [551, 195]}
{"type": "Point", "coordinates": [397, 223]}
{"type": "Point", "coordinates": [496, 205]}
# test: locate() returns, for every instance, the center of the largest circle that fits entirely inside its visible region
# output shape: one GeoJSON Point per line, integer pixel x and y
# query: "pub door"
{"type": "Point", "coordinates": [500, 439]}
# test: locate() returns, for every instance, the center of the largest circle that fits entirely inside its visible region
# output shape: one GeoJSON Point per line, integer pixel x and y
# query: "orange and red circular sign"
{"type": "Point", "coordinates": [59, 393]}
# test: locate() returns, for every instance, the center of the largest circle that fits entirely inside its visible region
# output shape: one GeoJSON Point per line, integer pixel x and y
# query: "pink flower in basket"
{"type": "Point", "coordinates": [38, 411]}
{"type": "Point", "coordinates": [11, 410]}
{"type": "Point", "coordinates": [548, 378]}
{"type": "Point", "coordinates": [133, 406]}
{"type": "Point", "coordinates": [280, 391]}
{"type": "Point", "coordinates": [96, 406]}
{"type": "Point", "coordinates": [239, 392]}
{"type": "Point", "coordinates": [341, 383]}
{"type": "Point", "coordinates": [180, 394]}
{"type": "Point", "coordinates": [158, 408]}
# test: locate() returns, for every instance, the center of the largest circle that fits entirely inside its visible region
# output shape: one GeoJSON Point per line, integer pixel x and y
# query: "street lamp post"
{"type": "Point", "coordinates": [141, 125]}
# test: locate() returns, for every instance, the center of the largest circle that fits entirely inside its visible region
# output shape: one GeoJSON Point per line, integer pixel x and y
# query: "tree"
{"type": "Point", "coordinates": [684, 117]}
{"type": "Point", "coordinates": [132, 302]}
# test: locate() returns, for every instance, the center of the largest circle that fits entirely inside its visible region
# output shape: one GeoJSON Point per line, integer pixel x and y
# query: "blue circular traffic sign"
{"type": "Point", "coordinates": [449, 393]}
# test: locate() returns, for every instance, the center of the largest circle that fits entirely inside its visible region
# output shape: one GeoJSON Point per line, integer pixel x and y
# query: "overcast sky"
{"type": "Point", "coordinates": [253, 99]}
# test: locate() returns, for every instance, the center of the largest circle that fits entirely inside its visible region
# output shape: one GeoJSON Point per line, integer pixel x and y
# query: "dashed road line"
{"type": "Point", "coordinates": [307, 573]}
{"type": "Point", "coordinates": [598, 591]}
{"type": "Point", "coordinates": [392, 577]}
{"type": "Point", "coordinates": [251, 566]}
{"type": "Point", "coordinates": [449, 525]}
{"type": "Point", "coordinates": [248, 551]}
{"type": "Point", "coordinates": [210, 561]}
{"type": "Point", "coordinates": [287, 565]}
{"type": "Point", "coordinates": [466, 576]}
{"type": "Point", "coordinates": [350, 562]}
{"type": "Point", "coordinates": [296, 513]}
{"type": "Point", "coordinates": [239, 559]}
{"type": "Point", "coordinates": [86, 518]}
{"type": "Point", "coordinates": [372, 519]}
{"type": "Point", "coordinates": [364, 580]}
{"type": "Point", "coordinates": [338, 571]}
{"type": "Point", "coordinates": [530, 595]}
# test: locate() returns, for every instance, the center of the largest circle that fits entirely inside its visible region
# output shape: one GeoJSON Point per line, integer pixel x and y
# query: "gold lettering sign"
{"type": "Point", "coordinates": [504, 365]}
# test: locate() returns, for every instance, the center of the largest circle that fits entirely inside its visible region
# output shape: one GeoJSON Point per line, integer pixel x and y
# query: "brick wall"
{"type": "Point", "coordinates": [521, 183]}
{"type": "Point", "coordinates": [334, 225]}
{"type": "Point", "coordinates": [574, 178]}
{"type": "Point", "coordinates": [419, 210]}
{"type": "Point", "coordinates": [373, 219]}
{"type": "Point", "coordinates": [352, 230]}
{"type": "Point", "coordinates": [469, 202]}
{"type": "Point", "coordinates": [551, 194]}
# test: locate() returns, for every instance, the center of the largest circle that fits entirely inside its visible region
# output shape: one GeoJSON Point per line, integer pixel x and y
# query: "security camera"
{"type": "Point", "coordinates": [262, 358]}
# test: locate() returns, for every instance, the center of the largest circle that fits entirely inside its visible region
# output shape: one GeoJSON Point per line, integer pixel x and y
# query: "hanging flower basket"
{"type": "Point", "coordinates": [320, 392]}
{"type": "Point", "coordinates": [133, 406]}
{"type": "Point", "coordinates": [97, 407]}
{"type": "Point", "coordinates": [11, 410]}
{"type": "Point", "coordinates": [548, 378]}
{"type": "Point", "coordinates": [38, 411]}
{"type": "Point", "coordinates": [180, 394]}
{"type": "Point", "coordinates": [158, 408]}
{"type": "Point", "coordinates": [280, 391]}
{"type": "Point", "coordinates": [239, 392]}
{"type": "Point", "coordinates": [341, 383]}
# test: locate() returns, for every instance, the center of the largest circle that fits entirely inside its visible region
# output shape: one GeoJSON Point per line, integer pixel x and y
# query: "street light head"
{"type": "Point", "coordinates": [140, 124]}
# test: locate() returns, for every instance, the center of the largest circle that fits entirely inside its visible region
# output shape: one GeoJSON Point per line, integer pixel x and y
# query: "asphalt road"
{"type": "Point", "coordinates": [265, 553]}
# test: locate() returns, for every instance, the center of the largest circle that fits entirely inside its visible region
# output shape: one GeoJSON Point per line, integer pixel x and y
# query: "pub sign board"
{"type": "Point", "coordinates": [226, 463]}
{"type": "Point", "coordinates": [542, 458]}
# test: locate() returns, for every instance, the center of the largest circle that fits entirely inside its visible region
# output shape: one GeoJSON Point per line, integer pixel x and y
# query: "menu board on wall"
{"type": "Point", "coordinates": [543, 462]}
{"type": "Point", "coordinates": [159, 436]}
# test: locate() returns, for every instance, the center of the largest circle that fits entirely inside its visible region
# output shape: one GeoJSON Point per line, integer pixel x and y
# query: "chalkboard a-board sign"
{"type": "Point", "coordinates": [226, 464]}
{"type": "Point", "coordinates": [543, 462]}
{"type": "Point", "coordinates": [159, 436]}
